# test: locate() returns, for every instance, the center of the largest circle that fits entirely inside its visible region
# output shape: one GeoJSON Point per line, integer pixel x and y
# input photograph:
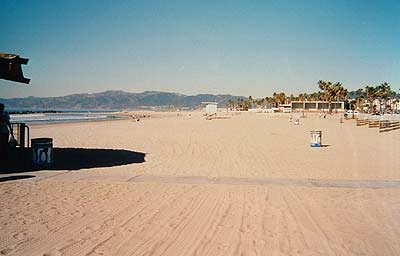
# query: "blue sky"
{"type": "Point", "coordinates": [236, 47]}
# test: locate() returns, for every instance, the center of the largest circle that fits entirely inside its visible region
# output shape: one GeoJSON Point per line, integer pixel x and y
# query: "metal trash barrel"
{"type": "Point", "coordinates": [42, 149]}
{"type": "Point", "coordinates": [316, 138]}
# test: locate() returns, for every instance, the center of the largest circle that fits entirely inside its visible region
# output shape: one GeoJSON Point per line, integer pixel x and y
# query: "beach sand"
{"type": "Point", "coordinates": [245, 184]}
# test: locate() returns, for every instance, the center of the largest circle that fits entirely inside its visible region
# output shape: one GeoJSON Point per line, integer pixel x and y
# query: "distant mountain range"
{"type": "Point", "coordinates": [117, 100]}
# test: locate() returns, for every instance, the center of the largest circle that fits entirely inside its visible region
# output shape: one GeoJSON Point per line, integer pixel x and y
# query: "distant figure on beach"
{"type": "Point", "coordinates": [5, 129]}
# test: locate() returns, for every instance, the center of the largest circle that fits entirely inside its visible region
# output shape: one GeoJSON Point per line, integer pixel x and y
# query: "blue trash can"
{"type": "Point", "coordinates": [42, 151]}
{"type": "Point", "coordinates": [316, 138]}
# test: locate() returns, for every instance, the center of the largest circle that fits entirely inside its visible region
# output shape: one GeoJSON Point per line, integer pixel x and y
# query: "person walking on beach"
{"type": "Point", "coordinates": [5, 129]}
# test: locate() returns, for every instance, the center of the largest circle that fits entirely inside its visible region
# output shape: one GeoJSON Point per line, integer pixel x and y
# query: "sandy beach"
{"type": "Point", "coordinates": [244, 184]}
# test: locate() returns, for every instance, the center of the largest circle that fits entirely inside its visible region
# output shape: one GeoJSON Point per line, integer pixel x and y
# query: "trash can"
{"type": "Point", "coordinates": [42, 151]}
{"type": "Point", "coordinates": [316, 137]}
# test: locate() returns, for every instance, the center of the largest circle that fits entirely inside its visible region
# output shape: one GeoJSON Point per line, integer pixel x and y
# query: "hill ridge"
{"type": "Point", "coordinates": [117, 99]}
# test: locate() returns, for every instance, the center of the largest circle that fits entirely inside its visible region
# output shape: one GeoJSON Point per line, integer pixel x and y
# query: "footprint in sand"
{"type": "Point", "coordinates": [53, 253]}
{"type": "Point", "coordinates": [5, 251]}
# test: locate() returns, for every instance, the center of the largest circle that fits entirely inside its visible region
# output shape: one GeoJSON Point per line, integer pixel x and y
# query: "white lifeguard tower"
{"type": "Point", "coordinates": [210, 108]}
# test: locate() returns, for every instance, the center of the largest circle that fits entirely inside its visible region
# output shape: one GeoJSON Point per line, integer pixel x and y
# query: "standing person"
{"type": "Point", "coordinates": [5, 129]}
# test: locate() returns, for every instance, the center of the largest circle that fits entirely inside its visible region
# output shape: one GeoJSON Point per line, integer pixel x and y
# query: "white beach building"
{"type": "Point", "coordinates": [316, 105]}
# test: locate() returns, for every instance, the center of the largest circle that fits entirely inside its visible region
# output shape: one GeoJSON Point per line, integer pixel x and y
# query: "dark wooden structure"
{"type": "Point", "coordinates": [10, 68]}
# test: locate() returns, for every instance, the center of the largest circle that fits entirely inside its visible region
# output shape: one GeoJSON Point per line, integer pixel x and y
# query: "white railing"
{"type": "Point", "coordinates": [385, 123]}
{"type": "Point", "coordinates": [389, 117]}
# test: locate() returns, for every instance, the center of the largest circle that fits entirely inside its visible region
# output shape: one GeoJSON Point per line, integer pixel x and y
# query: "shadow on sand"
{"type": "Point", "coordinates": [16, 177]}
{"type": "Point", "coordinates": [72, 159]}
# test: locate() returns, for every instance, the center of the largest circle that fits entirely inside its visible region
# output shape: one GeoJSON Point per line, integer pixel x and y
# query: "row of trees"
{"type": "Point", "coordinates": [382, 94]}
{"type": "Point", "coordinates": [329, 92]}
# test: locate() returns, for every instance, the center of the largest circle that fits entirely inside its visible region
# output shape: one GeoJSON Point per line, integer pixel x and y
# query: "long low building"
{"type": "Point", "coordinates": [316, 105]}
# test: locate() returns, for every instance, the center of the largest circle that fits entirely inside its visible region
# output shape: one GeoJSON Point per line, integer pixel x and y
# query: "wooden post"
{"type": "Point", "coordinates": [22, 135]}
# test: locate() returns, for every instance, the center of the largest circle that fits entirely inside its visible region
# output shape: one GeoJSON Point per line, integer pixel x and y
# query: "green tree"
{"type": "Point", "coordinates": [383, 93]}
{"type": "Point", "coordinates": [303, 97]}
{"type": "Point", "coordinates": [360, 98]}
{"type": "Point", "coordinates": [371, 95]}
{"type": "Point", "coordinates": [324, 87]}
{"type": "Point", "coordinates": [279, 98]}
{"type": "Point", "coordinates": [314, 96]}
{"type": "Point", "coordinates": [332, 92]}
{"type": "Point", "coordinates": [250, 102]}
{"type": "Point", "coordinates": [231, 104]}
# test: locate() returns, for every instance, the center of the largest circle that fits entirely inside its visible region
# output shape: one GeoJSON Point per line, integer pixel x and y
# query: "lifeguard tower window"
{"type": "Point", "coordinates": [10, 68]}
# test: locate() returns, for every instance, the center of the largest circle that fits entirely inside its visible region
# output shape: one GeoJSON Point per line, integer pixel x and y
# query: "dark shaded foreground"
{"type": "Point", "coordinates": [70, 159]}
{"type": "Point", "coordinates": [16, 177]}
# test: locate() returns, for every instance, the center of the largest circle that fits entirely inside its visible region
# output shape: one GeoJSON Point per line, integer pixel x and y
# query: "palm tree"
{"type": "Point", "coordinates": [392, 99]}
{"type": "Point", "coordinates": [360, 97]}
{"type": "Point", "coordinates": [250, 102]}
{"type": "Point", "coordinates": [303, 96]}
{"type": "Point", "coordinates": [290, 98]}
{"type": "Point", "coordinates": [275, 99]}
{"type": "Point", "coordinates": [383, 93]}
{"type": "Point", "coordinates": [329, 92]}
{"type": "Point", "coordinates": [324, 86]}
{"type": "Point", "coordinates": [231, 104]}
{"type": "Point", "coordinates": [270, 101]}
{"type": "Point", "coordinates": [339, 93]}
{"type": "Point", "coordinates": [260, 102]}
{"type": "Point", "coordinates": [336, 91]}
{"type": "Point", "coordinates": [371, 94]}
{"type": "Point", "coordinates": [240, 104]}
{"type": "Point", "coordinates": [314, 96]}
{"type": "Point", "coordinates": [279, 98]}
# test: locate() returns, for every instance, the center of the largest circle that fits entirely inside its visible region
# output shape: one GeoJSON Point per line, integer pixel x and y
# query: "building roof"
{"type": "Point", "coordinates": [10, 67]}
{"type": "Point", "coordinates": [315, 101]}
